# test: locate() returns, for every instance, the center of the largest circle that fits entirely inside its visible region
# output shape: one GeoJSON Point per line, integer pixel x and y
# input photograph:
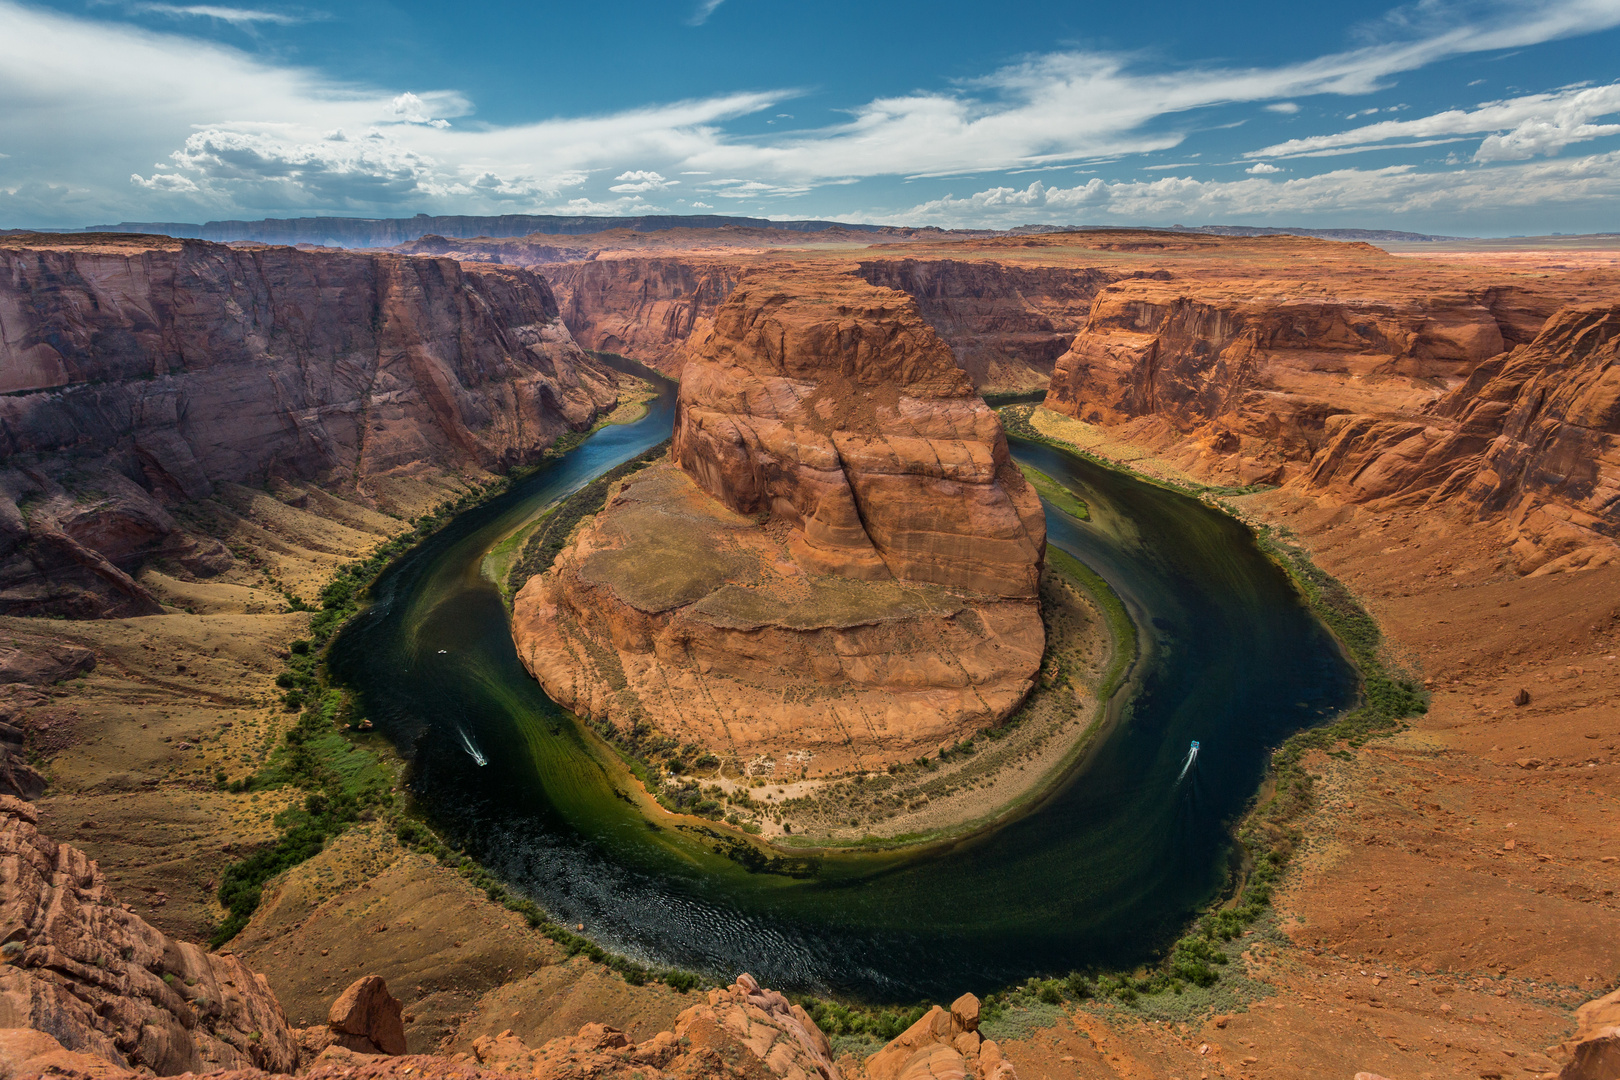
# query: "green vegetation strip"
{"type": "Point", "coordinates": [1055, 493]}
{"type": "Point", "coordinates": [345, 783]}
{"type": "Point", "coordinates": [551, 535]}
{"type": "Point", "coordinates": [1270, 832]}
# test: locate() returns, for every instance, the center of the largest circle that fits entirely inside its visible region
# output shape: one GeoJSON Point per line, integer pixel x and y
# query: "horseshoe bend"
{"type": "Point", "coordinates": [838, 565]}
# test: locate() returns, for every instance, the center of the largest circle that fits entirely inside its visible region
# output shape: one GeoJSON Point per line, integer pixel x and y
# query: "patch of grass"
{"type": "Point", "coordinates": [1055, 493]}
{"type": "Point", "coordinates": [548, 539]}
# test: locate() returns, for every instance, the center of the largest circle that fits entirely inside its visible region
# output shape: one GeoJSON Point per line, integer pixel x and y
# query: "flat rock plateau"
{"type": "Point", "coordinates": [193, 431]}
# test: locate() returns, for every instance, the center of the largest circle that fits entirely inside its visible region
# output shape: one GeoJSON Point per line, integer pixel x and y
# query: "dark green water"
{"type": "Point", "coordinates": [1104, 871]}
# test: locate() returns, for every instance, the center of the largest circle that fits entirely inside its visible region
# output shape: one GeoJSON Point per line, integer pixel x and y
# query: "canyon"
{"type": "Point", "coordinates": [1440, 434]}
{"type": "Point", "coordinates": [839, 563]}
{"type": "Point", "coordinates": [145, 373]}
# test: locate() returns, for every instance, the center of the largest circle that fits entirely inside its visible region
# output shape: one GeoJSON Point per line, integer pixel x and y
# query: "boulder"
{"type": "Point", "coordinates": [1594, 1051]}
{"type": "Point", "coordinates": [367, 1019]}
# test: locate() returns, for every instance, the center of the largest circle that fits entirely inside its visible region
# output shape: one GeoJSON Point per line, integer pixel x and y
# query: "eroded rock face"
{"type": "Point", "coordinates": [1441, 401]}
{"type": "Point", "coordinates": [835, 408]}
{"type": "Point", "coordinates": [1006, 325]}
{"type": "Point", "coordinates": [1533, 436]}
{"type": "Point", "coordinates": [742, 1030]}
{"type": "Point", "coordinates": [641, 308]}
{"type": "Point", "coordinates": [99, 980]}
{"type": "Point", "coordinates": [142, 372]}
{"type": "Point", "coordinates": [1156, 348]}
{"type": "Point", "coordinates": [843, 569]}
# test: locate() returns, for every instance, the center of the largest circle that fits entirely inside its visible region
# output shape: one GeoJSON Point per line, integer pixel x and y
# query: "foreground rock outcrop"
{"type": "Point", "coordinates": [841, 570]}
{"type": "Point", "coordinates": [143, 372]}
{"type": "Point", "coordinates": [88, 989]}
{"type": "Point", "coordinates": [95, 977]}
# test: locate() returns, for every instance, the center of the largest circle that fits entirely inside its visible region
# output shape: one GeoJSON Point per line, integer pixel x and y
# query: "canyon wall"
{"type": "Point", "coordinates": [838, 568]}
{"type": "Point", "coordinates": [1485, 402]}
{"type": "Point", "coordinates": [1005, 323]}
{"type": "Point", "coordinates": [1532, 436]}
{"type": "Point", "coordinates": [643, 308]}
{"type": "Point", "coordinates": [141, 373]}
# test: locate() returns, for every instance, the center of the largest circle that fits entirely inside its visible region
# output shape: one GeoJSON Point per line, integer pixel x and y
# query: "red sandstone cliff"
{"type": "Point", "coordinates": [142, 371]}
{"type": "Point", "coordinates": [841, 572]}
{"type": "Point", "coordinates": [643, 308]}
{"type": "Point", "coordinates": [1532, 436]}
{"type": "Point", "coordinates": [1005, 324]}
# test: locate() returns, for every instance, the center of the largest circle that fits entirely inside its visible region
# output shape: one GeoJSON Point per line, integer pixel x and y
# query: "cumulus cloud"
{"type": "Point", "coordinates": [1390, 192]}
{"type": "Point", "coordinates": [1260, 168]}
{"type": "Point", "coordinates": [641, 180]}
{"type": "Point", "coordinates": [1520, 128]}
{"type": "Point", "coordinates": [93, 101]}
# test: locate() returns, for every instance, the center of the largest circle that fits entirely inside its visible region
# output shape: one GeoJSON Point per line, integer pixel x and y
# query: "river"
{"type": "Point", "coordinates": [1103, 870]}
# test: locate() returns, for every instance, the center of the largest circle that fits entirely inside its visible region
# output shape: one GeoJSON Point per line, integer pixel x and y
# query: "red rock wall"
{"type": "Point", "coordinates": [143, 374]}
{"type": "Point", "coordinates": [1005, 324]}
{"type": "Point", "coordinates": [832, 405]}
{"type": "Point", "coordinates": [641, 308]}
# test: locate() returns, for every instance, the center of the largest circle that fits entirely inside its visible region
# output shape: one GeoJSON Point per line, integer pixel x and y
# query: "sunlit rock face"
{"type": "Point", "coordinates": [839, 564]}
{"type": "Point", "coordinates": [144, 372]}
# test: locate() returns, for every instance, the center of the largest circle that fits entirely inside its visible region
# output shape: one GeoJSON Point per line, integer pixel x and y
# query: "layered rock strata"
{"type": "Point", "coordinates": [1006, 324]}
{"type": "Point", "coordinates": [98, 979]}
{"type": "Point", "coordinates": [1464, 402]}
{"type": "Point", "coordinates": [642, 308]}
{"type": "Point", "coordinates": [141, 372]}
{"type": "Point", "coordinates": [1532, 436]}
{"type": "Point", "coordinates": [840, 565]}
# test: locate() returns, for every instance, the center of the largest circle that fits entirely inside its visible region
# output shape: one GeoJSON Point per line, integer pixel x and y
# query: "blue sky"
{"type": "Point", "coordinates": [1469, 118]}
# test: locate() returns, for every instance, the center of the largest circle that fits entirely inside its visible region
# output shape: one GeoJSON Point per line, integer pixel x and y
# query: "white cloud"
{"type": "Point", "coordinates": [1285, 107]}
{"type": "Point", "coordinates": [702, 206]}
{"type": "Point", "coordinates": [704, 9]}
{"type": "Point", "coordinates": [1520, 127]}
{"type": "Point", "coordinates": [88, 102]}
{"type": "Point", "coordinates": [234, 16]}
{"type": "Point", "coordinates": [1380, 193]}
{"type": "Point", "coordinates": [1260, 168]}
{"type": "Point", "coordinates": [640, 180]}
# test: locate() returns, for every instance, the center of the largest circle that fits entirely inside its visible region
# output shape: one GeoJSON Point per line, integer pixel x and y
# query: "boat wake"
{"type": "Point", "coordinates": [1192, 756]}
{"type": "Point", "coordinates": [471, 747]}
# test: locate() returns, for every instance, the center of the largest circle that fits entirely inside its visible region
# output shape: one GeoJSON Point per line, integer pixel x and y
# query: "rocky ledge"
{"type": "Point", "coordinates": [837, 570]}
{"type": "Point", "coordinates": [90, 990]}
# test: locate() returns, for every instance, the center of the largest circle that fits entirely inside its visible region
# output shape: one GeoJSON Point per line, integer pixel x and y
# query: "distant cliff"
{"type": "Point", "coordinates": [141, 373]}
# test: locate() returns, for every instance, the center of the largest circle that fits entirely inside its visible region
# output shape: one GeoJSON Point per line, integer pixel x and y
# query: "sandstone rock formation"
{"type": "Point", "coordinates": [842, 570]}
{"type": "Point", "coordinates": [1533, 435]}
{"type": "Point", "coordinates": [94, 976]}
{"type": "Point", "coordinates": [643, 308]}
{"type": "Point", "coordinates": [1005, 324]}
{"type": "Point", "coordinates": [835, 408]}
{"type": "Point", "coordinates": [1594, 1051]}
{"type": "Point", "coordinates": [1451, 401]}
{"type": "Point", "coordinates": [141, 372]}
{"type": "Point", "coordinates": [779, 1040]}
{"type": "Point", "coordinates": [942, 1045]}
{"type": "Point", "coordinates": [366, 1018]}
